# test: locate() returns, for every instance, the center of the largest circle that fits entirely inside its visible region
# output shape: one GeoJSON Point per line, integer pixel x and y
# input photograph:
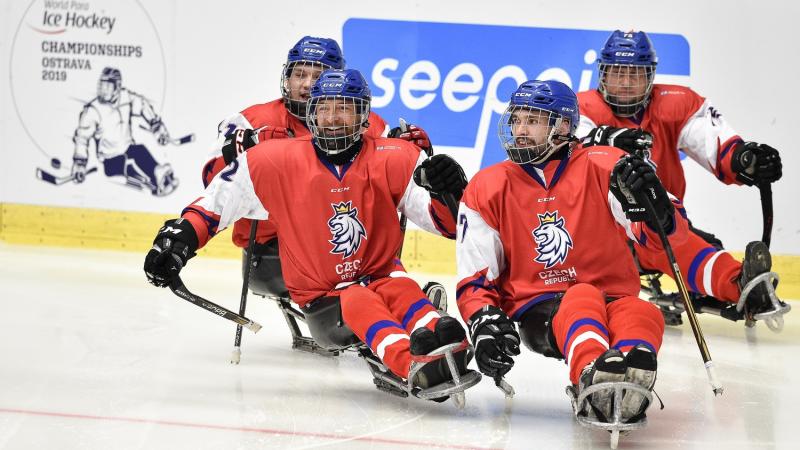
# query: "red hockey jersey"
{"type": "Point", "coordinates": [275, 114]}
{"type": "Point", "coordinates": [679, 119]}
{"type": "Point", "coordinates": [335, 224]}
{"type": "Point", "coordinates": [527, 233]}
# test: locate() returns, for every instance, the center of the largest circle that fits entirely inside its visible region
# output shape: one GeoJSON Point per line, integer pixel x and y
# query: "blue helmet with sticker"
{"type": "Point", "coordinates": [313, 49]}
{"type": "Point", "coordinates": [338, 110]}
{"type": "Point", "coordinates": [306, 60]}
{"type": "Point", "coordinates": [540, 119]}
{"type": "Point", "coordinates": [632, 47]}
{"type": "Point", "coordinates": [627, 67]}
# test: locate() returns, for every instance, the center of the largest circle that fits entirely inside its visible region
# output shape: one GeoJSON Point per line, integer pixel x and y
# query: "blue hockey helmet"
{"type": "Point", "coordinates": [338, 110]}
{"type": "Point", "coordinates": [306, 60]}
{"type": "Point", "coordinates": [109, 85]}
{"type": "Point", "coordinates": [627, 67]}
{"type": "Point", "coordinates": [540, 119]}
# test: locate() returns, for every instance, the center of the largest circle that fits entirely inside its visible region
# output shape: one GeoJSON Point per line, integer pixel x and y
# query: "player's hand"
{"type": "Point", "coordinates": [755, 163]}
{"type": "Point", "coordinates": [633, 180]}
{"type": "Point", "coordinates": [78, 170]}
{"type": "Point", "coordinates": [161, 133]}
{"type": "Point", "coordinates": [174, 245]}
{"type": "Point", "coordinates": [495, 339]}
{"type": "Point", "coordinates": [269, 132]}
{"type": "Point", "coordinates": [633, 140]}
{"type": "Point", "coordinates": [441, 174]}
{"type": "Point", "coordinates": [237, 142]}
{"type": "Point", "coordinates": [413, 134]}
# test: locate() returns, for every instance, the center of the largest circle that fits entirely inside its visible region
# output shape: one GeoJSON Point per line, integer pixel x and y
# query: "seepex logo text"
{"type": "Point", "coordinates": [457, 85]}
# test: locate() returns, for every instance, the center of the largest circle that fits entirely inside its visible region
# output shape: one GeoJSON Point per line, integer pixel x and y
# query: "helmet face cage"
{"type": "Point", "coordinates": [108, 85]}
{"type": "Point", "coordinates": [530, 135]}
{"type": "Point", "coordinates": [336, 121]}
{"type": "Point", "coordinates": [626, 87]}
{"type": "Point", "coordinates": [300, 74]}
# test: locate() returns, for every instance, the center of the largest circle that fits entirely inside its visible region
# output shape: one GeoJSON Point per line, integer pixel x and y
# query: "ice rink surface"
{"type": "Point", "coordinates": [93, 357]}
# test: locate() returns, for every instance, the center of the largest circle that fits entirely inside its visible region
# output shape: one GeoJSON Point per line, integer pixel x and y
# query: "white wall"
{"type": "Point", "coordinates": [205, 60]}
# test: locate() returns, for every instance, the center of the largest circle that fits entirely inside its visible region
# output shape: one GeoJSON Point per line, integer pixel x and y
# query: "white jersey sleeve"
{"type": "Point", "coordinates": [703, 134]}
{"type": "Point", "coordinates": [478, 246]}
{"type": "Point", "coordinates": [416, 203]}
{"type": "Point", "coordinates": [585, 125]}
{"type": "Point", "coordinates": [231, 195]}
{"type": "Point", "coordinates": [223, 129]}
{"type": "Point", "coordinates": [619, 216]}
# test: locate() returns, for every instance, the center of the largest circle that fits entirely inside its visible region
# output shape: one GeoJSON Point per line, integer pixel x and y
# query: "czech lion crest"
{"type": "Point", "coordinates": [552, 239]}
{"type": "Point", "coordinates": [346, 229]}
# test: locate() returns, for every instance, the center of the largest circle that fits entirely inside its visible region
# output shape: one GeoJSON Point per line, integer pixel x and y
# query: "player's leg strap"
{"type": "Point", "coordinates": [536, 330]}
{"type": "Point", "coordinates": [324, 320]}
{"type": "Point", "coordinates": [708, 237]}
{"type": "Point", "coordinates": [266, 278]}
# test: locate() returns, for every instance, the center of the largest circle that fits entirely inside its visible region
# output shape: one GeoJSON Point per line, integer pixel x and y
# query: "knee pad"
{"type": "Point", "coordinates": [536, 331]}
{"type": "Point", "coordinates": [324, 320]}
{"type": "Point", "coordinates": [266, 278]}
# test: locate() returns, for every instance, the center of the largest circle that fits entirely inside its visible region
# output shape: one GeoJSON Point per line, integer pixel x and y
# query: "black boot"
{"type": "Point", "coordinates": [642, 365]}
{"type": "Point", "coordinates": [608, 367]}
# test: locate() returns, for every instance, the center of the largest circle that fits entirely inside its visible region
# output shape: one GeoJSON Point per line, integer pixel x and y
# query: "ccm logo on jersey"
{"type": "Point", "coordinates": [546, 199]}
{"type": "Point", "coordinates": [459, 91]}
{"type": "Point", "coordinates": [341, 189]}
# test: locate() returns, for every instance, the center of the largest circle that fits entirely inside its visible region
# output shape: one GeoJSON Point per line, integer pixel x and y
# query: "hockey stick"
{"type": "Point", "coordinates": [403, 218]}
{"type": "Point", "coordinates": [177, 141]}
{"type": "Point", "coordinates": [179, 289]}
{"type": "Point", "coordinates": [687, 302]}
{"type": "Point", "coordinates": [183, 139]}
{"type": "Point", "coordinates": [52, 179]}
{"type": "Point", "coordinates": [237, 342]}
{"type": "Point", "coordinates": [765, 189]}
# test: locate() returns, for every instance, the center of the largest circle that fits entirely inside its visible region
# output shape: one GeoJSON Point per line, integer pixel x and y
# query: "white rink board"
{"type": "Point", "coordinates": [202, 61]}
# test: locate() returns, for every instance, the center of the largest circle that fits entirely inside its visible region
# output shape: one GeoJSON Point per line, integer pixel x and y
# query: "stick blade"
{"type": "Point", "coordinates": [45, 176]}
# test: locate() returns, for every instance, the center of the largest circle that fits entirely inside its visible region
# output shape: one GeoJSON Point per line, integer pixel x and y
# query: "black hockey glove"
{"type": "Point", "coordinates": [755, 163]}
{"type": "Point", "coordinates": [441, 174]}
{"type": "Point", "coordinates": [633, 140]}
{"type": "Point", "coordinates": [237, 142]}
{"type": "Point", "coordinates": [415, 135]}
{"type": "Point", "coordinates": [175, 243]}
{"type": "Point", "coordinates": [495, 339]}
{"type": "Point", "coordinates": [633, 180]}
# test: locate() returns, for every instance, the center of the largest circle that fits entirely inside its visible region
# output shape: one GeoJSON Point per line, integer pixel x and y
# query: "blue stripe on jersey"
{"type": "Point", "coordinates": [378, 326]}
{"type": "Point", "coordinates": [535, 301]}
{"type": "Point", "coordinates": [528, 168]}
{"type": "Point", "coordinates": [212, 224]}
{"type": "Point", "coordinates": [634, 343]}
{"type": "Point", "coordinates": [419, 304]}
{"type": "Point", "coordinates": [478, 283]}
{"type": "Point", "coordinates": [559, 170]}
{"type": "Point", "coordinates": [695, 265]}
{"type": "Point", "coordinates": [332, 168]}
{"type": "Point", "coordinates": [579, 323]}
{"type": "Point", "coordinates": [438, 222]}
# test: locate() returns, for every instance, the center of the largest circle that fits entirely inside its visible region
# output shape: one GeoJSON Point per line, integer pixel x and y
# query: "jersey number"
{"type": "Point", "coordinates": [228, 173]}
{"type": "Point", "coordinates": [462, 220]}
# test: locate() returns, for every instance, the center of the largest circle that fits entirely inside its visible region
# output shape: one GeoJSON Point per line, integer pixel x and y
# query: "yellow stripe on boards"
{"type": "Point", "coordinates": [134, 231]}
